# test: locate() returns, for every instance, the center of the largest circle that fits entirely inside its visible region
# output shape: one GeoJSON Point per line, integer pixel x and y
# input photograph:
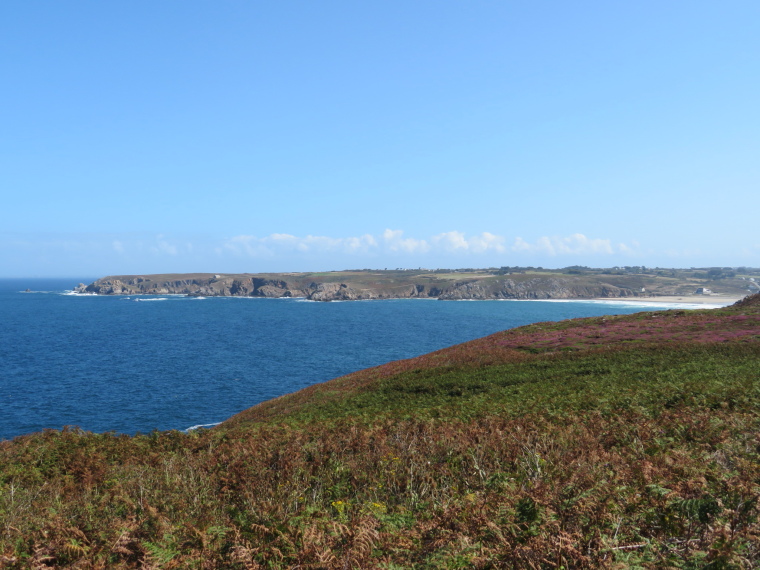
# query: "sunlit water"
{"type": "Point", "coordinates": [130, 364]}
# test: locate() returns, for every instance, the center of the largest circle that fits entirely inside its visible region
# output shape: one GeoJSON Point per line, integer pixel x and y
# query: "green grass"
{"type": "Point", "coordinates": [648, 378]}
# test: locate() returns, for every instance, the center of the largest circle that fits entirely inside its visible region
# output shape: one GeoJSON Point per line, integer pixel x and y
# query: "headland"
{"type": "Point", "coordinates": [693, 286]}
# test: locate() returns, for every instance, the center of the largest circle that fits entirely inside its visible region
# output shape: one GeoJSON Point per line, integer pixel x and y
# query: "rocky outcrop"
{"type": "Point", "coordinates": [211, 286]}
{"type": "Point", "coordinates": [537, 288]}
{"type": "Point", "coordinates": [334, 292]}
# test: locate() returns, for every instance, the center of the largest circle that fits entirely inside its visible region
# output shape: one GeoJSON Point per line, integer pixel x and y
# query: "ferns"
{"type": "Point", "coordinates": [526, 492]}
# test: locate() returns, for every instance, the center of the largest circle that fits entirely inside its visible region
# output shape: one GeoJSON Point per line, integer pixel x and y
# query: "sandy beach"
{"type": "Point", "coordinates": [715, 300]}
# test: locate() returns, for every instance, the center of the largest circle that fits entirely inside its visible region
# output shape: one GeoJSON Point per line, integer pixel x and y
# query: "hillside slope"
{"type": "Point", "coordinates": [609, 442]}
{"type": "Point", "coordinates": [652, 333]}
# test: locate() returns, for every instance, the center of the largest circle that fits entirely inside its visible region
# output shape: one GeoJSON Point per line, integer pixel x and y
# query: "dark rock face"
{"type": "Point", "coordinates": [538, 288]}
{"type": "Point", "coordinates": [212, 286]}
{"type": "Point", "coordinates": [334, 292]}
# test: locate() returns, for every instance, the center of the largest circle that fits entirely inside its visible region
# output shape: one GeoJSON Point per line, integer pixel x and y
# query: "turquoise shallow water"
{"type": "Point", "coordinates": [130, 364]}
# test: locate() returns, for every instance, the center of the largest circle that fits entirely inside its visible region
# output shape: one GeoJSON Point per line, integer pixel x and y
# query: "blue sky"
{"type": "Point", "coordinates": [241, 136]}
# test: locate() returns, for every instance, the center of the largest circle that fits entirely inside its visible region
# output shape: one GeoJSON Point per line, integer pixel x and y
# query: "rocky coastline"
{"type": "Point", "coordinates": [333, 288]}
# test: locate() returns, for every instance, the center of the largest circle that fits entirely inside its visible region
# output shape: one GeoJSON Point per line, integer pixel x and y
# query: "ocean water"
{"type": "Point", "coordinates": [135, 364]}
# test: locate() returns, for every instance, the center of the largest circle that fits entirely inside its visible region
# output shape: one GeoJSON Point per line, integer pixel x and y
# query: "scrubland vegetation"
{"type": "Point", "coordinates": [613, 442]}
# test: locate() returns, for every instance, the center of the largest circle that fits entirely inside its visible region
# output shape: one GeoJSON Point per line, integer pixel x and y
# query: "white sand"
{"type": "Point", "coordinates": [714, 300]}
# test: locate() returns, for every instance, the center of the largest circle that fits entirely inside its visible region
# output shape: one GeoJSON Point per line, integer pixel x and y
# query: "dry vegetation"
{"type": "Point", "coordinates": [595, 443]}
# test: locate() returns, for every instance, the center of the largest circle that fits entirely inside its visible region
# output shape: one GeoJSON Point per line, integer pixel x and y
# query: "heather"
{"type": "Point", "coordinates": [607, 442]}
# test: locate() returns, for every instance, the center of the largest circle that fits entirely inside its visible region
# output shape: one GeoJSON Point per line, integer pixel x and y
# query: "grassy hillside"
{"type": "Point", "coordinates": [607, 442]}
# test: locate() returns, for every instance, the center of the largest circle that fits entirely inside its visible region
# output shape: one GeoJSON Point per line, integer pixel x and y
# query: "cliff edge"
{"type": "Point", "coordinates": [360, 285]}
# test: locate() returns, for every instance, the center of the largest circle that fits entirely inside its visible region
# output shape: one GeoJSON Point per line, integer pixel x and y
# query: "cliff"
{"type": "Point", "coordinates": [536, 288]}
{"type": "Point", "coordinates": [351, 286]}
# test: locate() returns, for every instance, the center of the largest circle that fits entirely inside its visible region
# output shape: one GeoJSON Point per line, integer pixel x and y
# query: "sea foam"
{"type": "Point", "coordinates": [200, 426]}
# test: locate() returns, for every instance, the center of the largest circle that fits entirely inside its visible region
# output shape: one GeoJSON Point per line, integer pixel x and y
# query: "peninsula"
{"type": "Point", "coordinates": [444, 284]}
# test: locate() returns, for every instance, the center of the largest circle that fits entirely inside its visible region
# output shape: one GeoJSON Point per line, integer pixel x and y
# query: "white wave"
{"type": "Point", "coordinates": [199, 426]}
{"type": "Point", "coordinates": [159, 299]}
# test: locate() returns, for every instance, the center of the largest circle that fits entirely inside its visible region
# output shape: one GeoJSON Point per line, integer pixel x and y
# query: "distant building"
{"type": "Point", "coordinates": [703, 291]}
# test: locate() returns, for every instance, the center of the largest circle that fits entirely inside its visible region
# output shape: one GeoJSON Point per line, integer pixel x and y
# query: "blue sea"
{"type": "Point", "coordinates": [141, 363]}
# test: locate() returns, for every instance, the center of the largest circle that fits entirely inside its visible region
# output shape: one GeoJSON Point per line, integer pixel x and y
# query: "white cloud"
{"type": "Point", "coordinates": [575, 244]}
{"type": "Point", "coordinates": [631, 249]}
{"type": "Point", "coordinates": [286, 243]}
{"type": "Point", "coordinates": [361, 244]}
{"type": "Point", "coordinates": [163, 246]}
{"type": "Point", "coordinates": [321, 244]}
{"type": "Point", "coordinates": [456, 242]}
{"type": "Point", "coordinates": [395, 242]}
{"type": "Point", "coordinates": [245, 245]}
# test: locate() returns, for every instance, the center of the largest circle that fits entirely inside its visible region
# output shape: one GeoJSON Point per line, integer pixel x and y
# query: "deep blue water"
{"type": "Point", "coordinates": [130, 364]}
